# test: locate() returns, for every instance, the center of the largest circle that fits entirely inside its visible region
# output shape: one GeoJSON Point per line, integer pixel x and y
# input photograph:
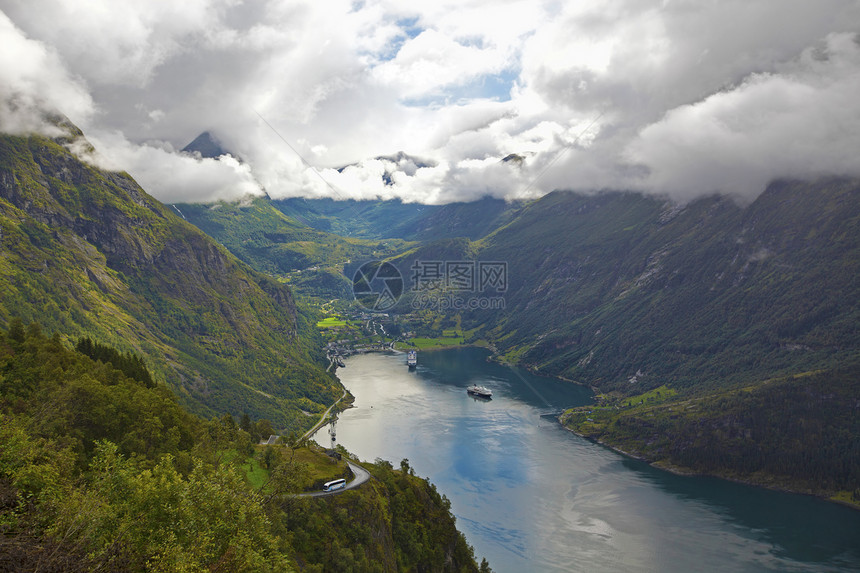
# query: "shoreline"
{"type": "Point", "coordinates": [657, 464]}
{"type": "Point", "coordinates": [444, 347]}
{"type": "Point", "coordinates": [689, 472]}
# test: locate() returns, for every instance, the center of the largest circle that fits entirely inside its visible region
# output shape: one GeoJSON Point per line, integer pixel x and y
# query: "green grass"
{"type": "Point", "coordinates": [257, 475]}
{"type": "Point", "coordinates": [654, 396]}
{"type": "Point", "coordinates": [441, 342]}
{"type": "Point", "coordinates": [847, 498]}
{"type": "Point", "coordinates": [331, 322]}
{"type": "Point", "coordinates": [320, 466]}
{"type": "Point", "coordinates": [515, 353]}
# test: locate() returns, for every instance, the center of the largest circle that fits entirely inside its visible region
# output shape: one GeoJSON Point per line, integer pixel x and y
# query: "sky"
{"type": "Point", "coordinates": [439, 101]}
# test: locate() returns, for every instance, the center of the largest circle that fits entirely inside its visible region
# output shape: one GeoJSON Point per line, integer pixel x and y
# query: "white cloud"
{"type": "Point", "coordinates": [802, 121]}
{"type": "Point", "coordinates": [116, 42]}
{"type": "Point", "coordinates": [432, 61]}
{"type": "Point", "coordinates": [462, 84]}
{"type": "Point", "coordinates": [173, 177]}
{"type": "Point", "coordinates": [33, 81]}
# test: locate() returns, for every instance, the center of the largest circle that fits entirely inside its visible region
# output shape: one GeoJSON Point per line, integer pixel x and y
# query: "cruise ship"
{"type": "Point", "coordinates": [479, 391]}
{"type": "Point", "coordinates": [412, 359]}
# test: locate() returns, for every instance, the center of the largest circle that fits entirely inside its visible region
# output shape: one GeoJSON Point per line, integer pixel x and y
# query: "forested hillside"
{"type": "Point", "coordinates": [275, 244]}
{"type": "Point", "coordinates": [394, 219]}
{"type": "Point", "coordinates": [101, 472]}
{"type": "Point", "coordinates": [743, 320]}
{"type": "Point", "coordinates": [798, 432]}
{"type": "Point", "coordinates": [88, 253]}
{"type": "Point", "coordinates": [626, 292]}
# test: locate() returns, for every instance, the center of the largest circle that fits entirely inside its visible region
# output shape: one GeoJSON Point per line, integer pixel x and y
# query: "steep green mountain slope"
{"type": "Point", "coordinates": [470, 220]}
{"type": "Point", "coordinates": [797, 432]}
{"type": "Point", "coordinates": [397, 220]}
{"type": "Point", "coordinates": [88, 252]}
{"type": "Point", "coordinates": [624, 292]}
{"type": "Point", "coordinates": [273, 243]}
{"type": "Point", "coordinates": [350, 218]}
{"type": "Point", "coordinates": [99, 472]}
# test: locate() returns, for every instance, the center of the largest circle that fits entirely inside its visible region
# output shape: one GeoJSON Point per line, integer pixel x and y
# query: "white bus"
{"type": "Point", "coordinates": [333, 485]}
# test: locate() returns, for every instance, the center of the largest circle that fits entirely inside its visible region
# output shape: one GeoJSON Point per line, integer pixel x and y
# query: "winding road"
{"type": "Point", "coordinates": [361, 476]}
{"type": "Point", "coordinates": [323, 418]}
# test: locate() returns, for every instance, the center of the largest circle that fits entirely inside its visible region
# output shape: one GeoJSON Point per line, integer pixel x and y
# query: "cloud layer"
{"type": "Point", "coordinates": [33, 79]}
{"type": "Point", "coordinates": [674, 97]}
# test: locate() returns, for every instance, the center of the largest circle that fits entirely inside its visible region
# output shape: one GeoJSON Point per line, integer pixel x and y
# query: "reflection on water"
{"type": "Point", "coordinates": [531, 496]}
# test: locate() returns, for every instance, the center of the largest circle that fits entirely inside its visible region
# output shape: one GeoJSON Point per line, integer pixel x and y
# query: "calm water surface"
{"type": "Point", "coordinates": [531, 496]}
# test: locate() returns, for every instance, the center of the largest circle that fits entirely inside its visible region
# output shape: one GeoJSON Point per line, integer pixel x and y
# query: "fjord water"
{"type": "Point", "coordinates": [531, 496]}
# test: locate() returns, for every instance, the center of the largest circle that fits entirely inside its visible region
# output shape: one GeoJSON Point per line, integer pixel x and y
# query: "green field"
{"type": "Point", "coordinates": [320, 467]}
{"type": "Point", "coordinates": [256, 473]}
{"type": "Point", "coordinates": [331, 322]}
{"type": "Point", "coordinates": [316, 467]}
{"type": "Point", "coordinates": [651, 397]}
{"type": "Point", "coordinates": [441, 342]}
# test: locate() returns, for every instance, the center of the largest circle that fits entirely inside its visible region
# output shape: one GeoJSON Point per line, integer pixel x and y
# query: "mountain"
{"type": "Point", "coordinates": [351, 218]}
{"type": "Point", "coordinates": [471, 220]}
{"type": "Point", "coordinates": [393, 219]}
{"type": "Point", "coordinates": [207, 145]}
{"type": "Point", "coordinates": [260, 234]}
{"type": "Point", "coordinates": [100, 471]}
{"type": "Point", "coordinates": [286, 237]}
{"type": "Point", "coordinates": [721, 339]}
{"type": "Point", "coordinates": [87, 252]}
{"type": "Point", "coordinates": [626, 292]}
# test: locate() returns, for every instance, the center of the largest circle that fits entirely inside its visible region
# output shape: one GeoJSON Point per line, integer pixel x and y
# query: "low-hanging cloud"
{"type": "Point", "coordinates": [173, 177]}
{"type": "Point", "coordinates": [670, 97]}
{"type": "Point", "coordinates": [33, 80]}
{"type": "Point", "coordinates": [803, 121]}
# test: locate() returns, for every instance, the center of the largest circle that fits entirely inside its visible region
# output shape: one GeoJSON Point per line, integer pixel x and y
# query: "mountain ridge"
{"type": "Point", "coordinates": [729, 275]}
{"type": "Point", "coordinates": [88, 252]}
{"type": "Point", "coordinates": [720, 338]}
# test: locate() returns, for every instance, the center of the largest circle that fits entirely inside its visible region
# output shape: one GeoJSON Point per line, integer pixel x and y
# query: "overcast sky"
{"type": "Point", "coordinates": [675, 97]}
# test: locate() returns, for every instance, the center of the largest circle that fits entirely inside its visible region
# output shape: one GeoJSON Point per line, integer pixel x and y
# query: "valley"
{"type": "Point", "coordinates": [87, 252]}
{"type": "Point", "coordinates": [143, 369]}
{"type": "Point", "coordinates": [719, 339]}
{"type": "Point", "coordinates": [533, 496]}
{"type": "Point", "coordinates": [720, 303]}
{"type": "Point", "coordinates": [377, 287]}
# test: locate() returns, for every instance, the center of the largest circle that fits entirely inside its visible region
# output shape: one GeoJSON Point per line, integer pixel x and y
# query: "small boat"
{"type": "Point", "coordinates": [412, 359]}
{"type": "Point", "coordinates": [479, 391]}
